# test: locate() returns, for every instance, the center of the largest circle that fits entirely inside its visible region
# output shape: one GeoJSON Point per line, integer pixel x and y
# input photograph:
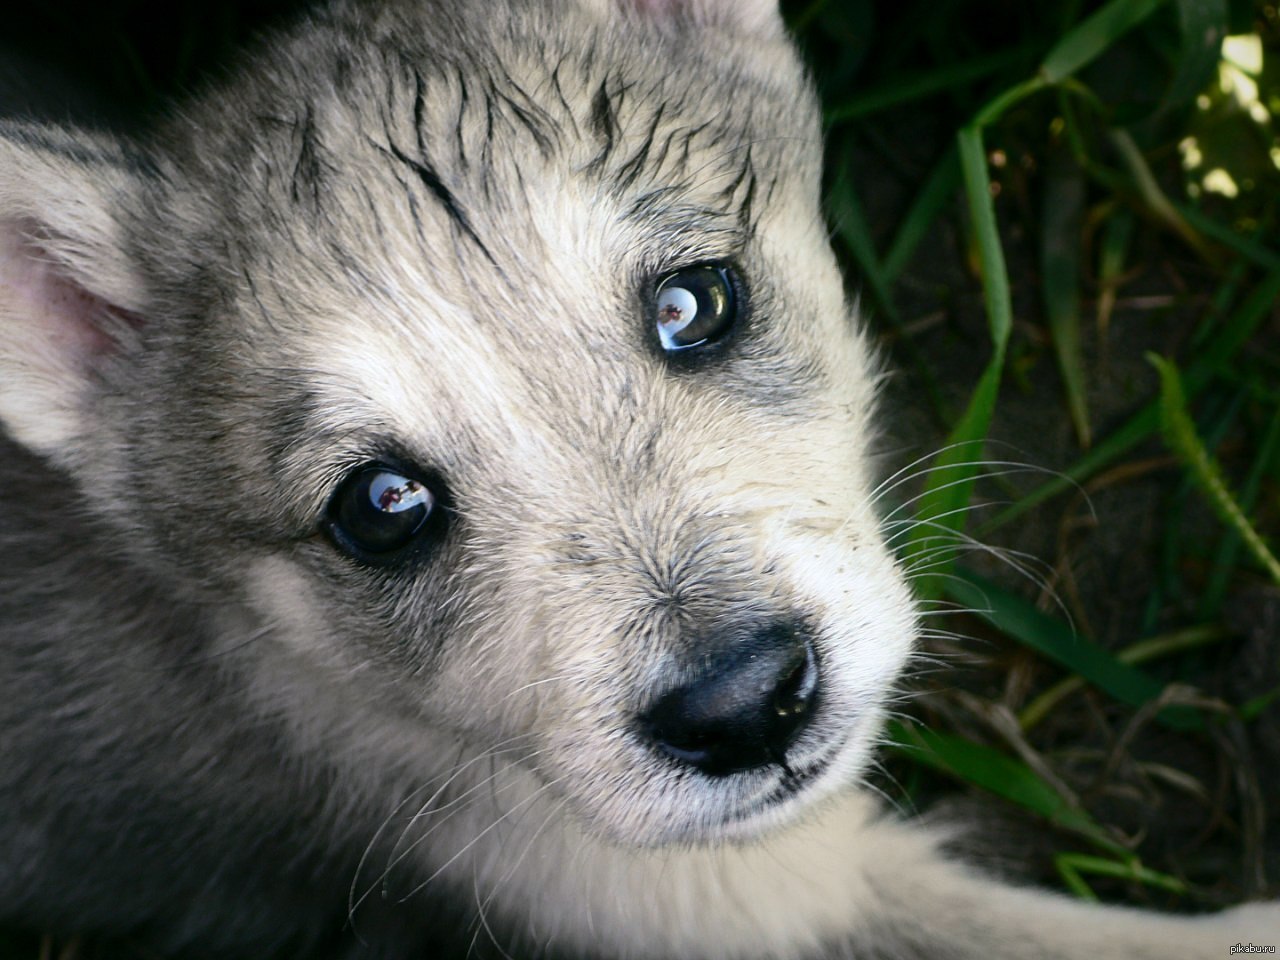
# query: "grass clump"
{"type": "Point", "coordinates": [1031, 201]}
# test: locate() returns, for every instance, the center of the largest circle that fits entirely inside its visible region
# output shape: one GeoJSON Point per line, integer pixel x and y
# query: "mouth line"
{"type": "Point", "coordinates": [794, 780]}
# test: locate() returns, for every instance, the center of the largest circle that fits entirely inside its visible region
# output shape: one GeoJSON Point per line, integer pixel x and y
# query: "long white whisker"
{"type": "Point", "coordinates": [353, 901]}
{"type": "Point", "coordinates": [478, 837]}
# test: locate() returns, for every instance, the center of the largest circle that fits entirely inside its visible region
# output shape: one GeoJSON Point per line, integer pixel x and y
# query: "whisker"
{"type": "Point", "coordinates": [543, 788]}
{"type": "Point", "coordinates": [456, 770]}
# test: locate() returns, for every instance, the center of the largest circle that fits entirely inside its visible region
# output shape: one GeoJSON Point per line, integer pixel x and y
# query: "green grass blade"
{"type": "Point", "coordinates": [1180, 434]}
{"type": "Point", "coordinates": [845, 212]}
{"type": "Point", "coordinates": [1225, 558]}
{"type": "Point", "coordinates": [1219, 306]}
{"type": "Point", "coordinates": [1127, 868]}
{"type": "Point", "coordinates": [1140, 652]}
{"type": "Point", "coordinates": [995, 109]}
{"type": "Point", "coordinates": [1052, 638]}
{"type": "Point", "coordinates": [1154, 198]}
{"type": "Point", "coordinates": [1002, 775]}
{"type": "Point", "coordinates": [1226, 235]}
{"type": "Point", "coordinates": [1202, 25]}
{"type": "Point", "coordinates": [1234, 334]}
{"type": "Point", "coordinates": [1063, 212]}
{"type": "Point", "coordinates": [1087, 41]}
{"type": "Point", "coordinates": [1092, 37]}
{"type": "Point", "coordinates": [946, 497]}
{"type": "Point", "coordinates": [848, 218]}
{"type": "Point", "coordinates": [982, 212]}
{"type": "Point", "coordinates": [1117, 232]}
{"type": "Point", "coordinates": [1071, 879]}
{"type": "Point", "coordinates": [948, 490]}
{"type": "Point", "coordinates": [920, 85]}
{"type": "Point", "coordinates": [1250, 709]}
{"type": "Point", "coordinates": [934, 195]}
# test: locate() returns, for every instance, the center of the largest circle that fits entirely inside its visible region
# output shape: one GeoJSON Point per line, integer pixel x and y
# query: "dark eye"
{"type": "Point", "coordinates": [694, 306]}
{"type": "Point", "coordinates": [378, 511]}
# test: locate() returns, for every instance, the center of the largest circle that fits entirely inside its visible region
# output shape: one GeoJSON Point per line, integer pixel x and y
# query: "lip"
{"type": "Point", "coordinates": [791, 785]}
{"type": "Point", "coordinates": [794, 781]}
{"type": "Point", "coordinates": [745, 821]}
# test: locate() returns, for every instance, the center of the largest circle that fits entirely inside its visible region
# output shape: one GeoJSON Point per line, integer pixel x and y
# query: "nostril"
{"type": "Point", "coordinates": [744, 709]}
{"type": "Point", "coordinates": [795, 694]}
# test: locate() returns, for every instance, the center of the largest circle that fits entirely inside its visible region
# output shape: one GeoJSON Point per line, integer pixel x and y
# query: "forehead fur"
{"type": "Point", "coordinates": [483, 120]}
{"type": "Point", "coordinates": [487, 199]}
{"type": "Point", "coordinates": [458, 129]}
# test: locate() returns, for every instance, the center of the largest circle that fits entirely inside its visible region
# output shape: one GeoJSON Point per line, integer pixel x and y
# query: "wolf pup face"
{"type": "Point", "coordinates": [502, 390]}
{"type": "Point", "coordinates": [444, 515]}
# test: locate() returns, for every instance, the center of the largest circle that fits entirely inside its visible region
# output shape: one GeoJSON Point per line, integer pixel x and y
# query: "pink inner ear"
{"type": "Point", "coordinates": [39, 295]}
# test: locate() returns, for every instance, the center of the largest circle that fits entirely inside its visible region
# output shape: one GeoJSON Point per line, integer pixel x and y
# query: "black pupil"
{"type": "Point", "coordinates": [694, 306]}
{"type": "Point", "coordinates": [378, 510]}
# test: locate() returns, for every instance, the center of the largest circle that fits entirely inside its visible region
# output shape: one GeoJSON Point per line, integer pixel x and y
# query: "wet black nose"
{"type": "Point", "coordinates": [745, 708]}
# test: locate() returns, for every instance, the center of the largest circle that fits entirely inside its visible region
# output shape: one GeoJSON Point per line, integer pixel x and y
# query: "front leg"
{"type": "Point", "coordinates": [913, 902]}
{"type": "Point", "coordinates": [843, 883]}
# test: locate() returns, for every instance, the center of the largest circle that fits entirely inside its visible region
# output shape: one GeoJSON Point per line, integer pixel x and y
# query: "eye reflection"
{"type": "Point", "coordinates": [694, 306]}
{"type": "Point", "coordinates": [377, 512]}
{"type": "Point", "coordinates": [392, 493]}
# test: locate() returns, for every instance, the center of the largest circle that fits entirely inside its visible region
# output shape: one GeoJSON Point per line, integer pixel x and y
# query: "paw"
{"type": "Point", "coordinates": [1255, 925]}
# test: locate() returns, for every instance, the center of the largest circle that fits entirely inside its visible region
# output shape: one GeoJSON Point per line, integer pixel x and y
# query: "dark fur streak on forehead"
{"type": "Point", "coordinates": [688, 139]}
{"type": "Point", "coordinates": [530, 114]}
{"type": "Point", "coordinates": [486, 151]}
{"type": "Point", "coordinates": [263, 312]}
{"type": "Point", "coordinates": [604, 123]}
{"type": "Point", "coordinates": [352, 268]}
{"type": "Point", "coordinates": [426, 171]}
{"type": "Point", "coordinates": [633, 167]}
{"type": "Point", "coordinates": [664, 156]}
{"type": "Point", "coordinates": [747, 174]}
{"type": "Point", "coordinates": [464, 101]}
{"type": "Point", "coordinates": [308, 167]}
{"type": "Point", "coordinates": [671, 204]}
{"type": "Point", "coordinates": [430, 179]}
{"type": "Point", "coordinates": [419, 108]}
{"type": "Point", "coordinates": [374, 211]}
{"type": "Point", "coordinates": [568, 112]}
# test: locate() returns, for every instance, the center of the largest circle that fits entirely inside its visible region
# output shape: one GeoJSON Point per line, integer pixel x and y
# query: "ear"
{"type": "Point", "coordinates": [70, 299]}
{"type": "Point", "coordinates": [758, 18]}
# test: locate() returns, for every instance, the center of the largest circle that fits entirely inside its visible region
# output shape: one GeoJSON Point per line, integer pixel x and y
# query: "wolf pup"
{"type": "Point", "coordinates": [437, 516]}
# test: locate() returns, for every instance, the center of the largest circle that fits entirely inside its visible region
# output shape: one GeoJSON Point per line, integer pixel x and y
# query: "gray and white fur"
{"type": "Point", "coordinates": [425, 236]}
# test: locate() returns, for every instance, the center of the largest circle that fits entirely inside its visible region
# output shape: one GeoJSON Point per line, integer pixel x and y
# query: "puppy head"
{"type": "Point", "coordinates": [500, 376]}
